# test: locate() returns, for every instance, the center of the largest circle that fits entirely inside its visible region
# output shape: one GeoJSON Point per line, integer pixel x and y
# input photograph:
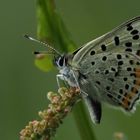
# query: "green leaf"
{"type": "Point", "coordinates": [44, 62]}
{"type": "Point", "coordinates": [50, 28]}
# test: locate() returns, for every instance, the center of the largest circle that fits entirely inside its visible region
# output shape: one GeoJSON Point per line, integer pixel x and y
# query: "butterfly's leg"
{"type": "Point", "coordinates": [77, 84]}
{"type": "Point", "coordinates": [58, 77]}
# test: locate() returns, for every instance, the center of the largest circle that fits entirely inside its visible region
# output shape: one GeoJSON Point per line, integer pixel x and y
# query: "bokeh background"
{"type": "Point", "coordinates": [23, 87]}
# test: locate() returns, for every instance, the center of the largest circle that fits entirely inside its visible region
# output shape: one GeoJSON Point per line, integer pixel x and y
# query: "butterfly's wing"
{"type": "Point", "coordinates": [112, 64]}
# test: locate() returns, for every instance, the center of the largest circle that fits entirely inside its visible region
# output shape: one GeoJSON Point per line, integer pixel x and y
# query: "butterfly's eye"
{"type": "Point", "coordinates": [60, 61]}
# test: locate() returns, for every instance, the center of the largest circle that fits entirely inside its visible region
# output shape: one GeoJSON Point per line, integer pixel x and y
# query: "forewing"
{"type": "Point", "coordinates": [121, 38]}
{"type": "Point", "coordinates": [112, 63]}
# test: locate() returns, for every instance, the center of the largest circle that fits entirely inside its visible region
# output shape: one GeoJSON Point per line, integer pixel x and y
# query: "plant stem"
{"type": "Point", "coordinates": [83, 122]}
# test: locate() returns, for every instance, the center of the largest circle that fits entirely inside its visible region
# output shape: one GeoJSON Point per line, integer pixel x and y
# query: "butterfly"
{"type": "Point", "coordinates": [106, 70]}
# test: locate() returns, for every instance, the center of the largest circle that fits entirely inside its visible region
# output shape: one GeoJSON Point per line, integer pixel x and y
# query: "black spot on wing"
{"type": "Point", "coordinates": [128, 44]}
{"type": "Point", "coordinates": [128, 50]}
{"type": "Point", "coordinates": [92, 52]}
{"type": "Point", "coordinates": [111, 79]}
{"type": "Point", "coordinates": [138, 63]}
{"type": "Point", "coordinates": [117, 40]}
{"type": "Point", "coordinates": [134, 32]}
{"type": "Point", "coordinates": [110, 96]}
{"type": "Point", "coordinates": [129, 27]}
{"type": "Point", "coordinates": [97, 71]}
{"type": "Point", "coordinates": [131, 62]}
{"type": "Point", "coordinates": [126, 86]}
{"type": "Point", "coordinates": [98, 82]}
{"type": "Point", "coordinates": [138, 52]}
{"type": "Point", "coordinates": [129, 69]}
{"type": "Point", "coordinates": [108, 88]}
{"type": "Point", "coordinates": [125, 78]}
{"type": "Point", "coordinates": [135, 37]}
{"type": "Point", "coordinates": [106, 72]}
{"type": "Point", "coordinates": [103, 47]}
{"type": "Point", "coordinates": [104, 58]}
{"type": "Point", "coordinates": [119, 56]}
{"type": "Point", "coordinates": [113, 69]}
{"type": "Point", "coordinates": [93, 63]}
{"type": "Point", "coordinates": [120, 63]}
{"type": "Point", "coordinates": [121, 91]}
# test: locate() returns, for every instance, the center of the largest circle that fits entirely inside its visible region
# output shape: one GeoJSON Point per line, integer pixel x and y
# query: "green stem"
{"type": "Point", "coordinates": [83, 122]}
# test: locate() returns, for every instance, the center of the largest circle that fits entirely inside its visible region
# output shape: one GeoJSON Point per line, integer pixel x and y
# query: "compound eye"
{"type": "Point", "coordinates": [61, 61]}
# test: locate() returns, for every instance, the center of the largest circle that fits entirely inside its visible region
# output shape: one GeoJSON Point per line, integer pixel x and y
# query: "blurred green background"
{"type": "Point", "coordinates": [24, 87]}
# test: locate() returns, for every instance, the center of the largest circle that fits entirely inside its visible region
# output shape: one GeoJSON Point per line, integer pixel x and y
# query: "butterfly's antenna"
{"type": "Point", "coordinates": [43, 43]}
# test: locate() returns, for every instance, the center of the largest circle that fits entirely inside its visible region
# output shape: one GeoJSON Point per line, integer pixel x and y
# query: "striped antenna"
{"type": "Point", "coordinates": [43, 43]}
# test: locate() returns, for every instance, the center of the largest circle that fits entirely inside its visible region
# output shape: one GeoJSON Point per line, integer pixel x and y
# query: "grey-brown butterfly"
{"type": "Point", "coordinates": [106, 70]}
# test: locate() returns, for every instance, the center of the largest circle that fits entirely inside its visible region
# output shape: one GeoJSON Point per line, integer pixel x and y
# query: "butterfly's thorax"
{"type": "Point", "coordinates": [68, 75]}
